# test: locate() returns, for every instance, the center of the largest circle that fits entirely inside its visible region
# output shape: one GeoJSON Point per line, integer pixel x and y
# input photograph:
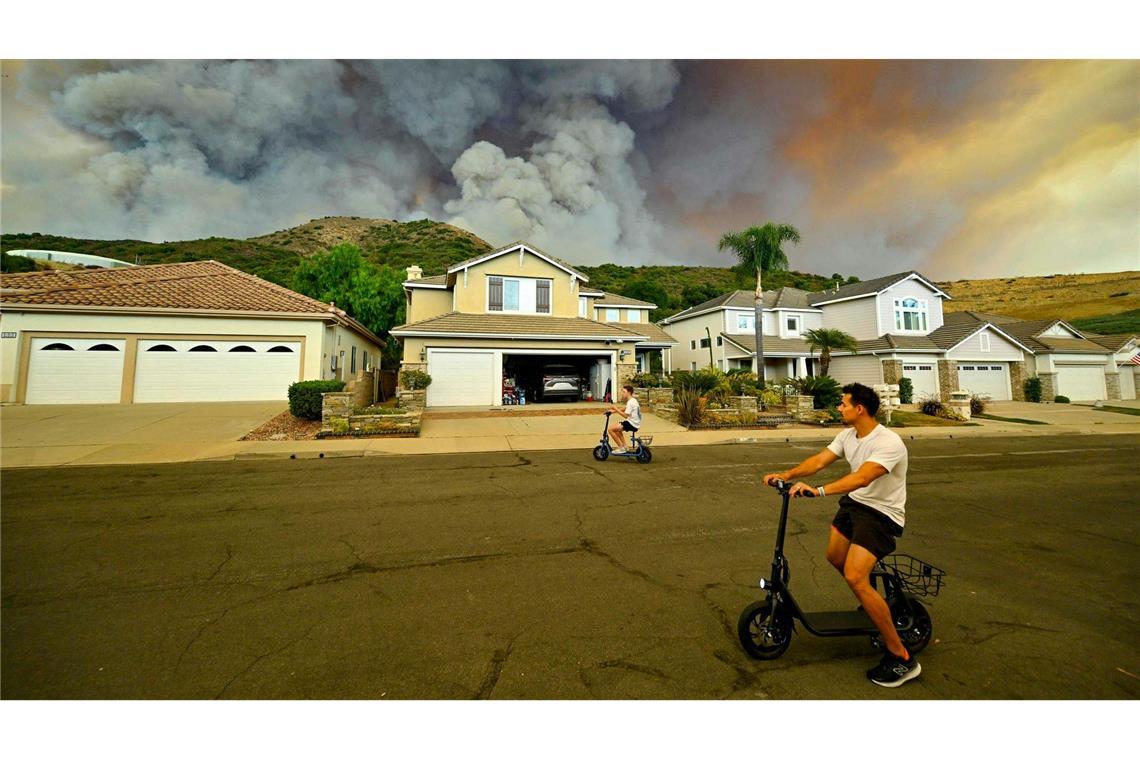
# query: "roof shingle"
{"type": "Point", "coordinates": [492, 325]}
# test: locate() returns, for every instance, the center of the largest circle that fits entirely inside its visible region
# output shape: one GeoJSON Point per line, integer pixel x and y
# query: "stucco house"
{"type": "Point", "coordinates": [497, 316]}
{"type": "Point", "coordinates": [902, 331]}
{"type": "Point", "coordinates": [198, 331]}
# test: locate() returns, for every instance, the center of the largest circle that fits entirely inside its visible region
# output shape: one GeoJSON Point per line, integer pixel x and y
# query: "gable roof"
{"type": "Point", "coordinates": [194, 286]}
{"type": "Point", "coordinates": [772, 344]}
{"type": "Point", "coordinates": [511, 249]}
{"type": "Point", "coordinates": [1112, 342]}
{"type": "Point", "coordinates": [778, 298]}
{"type": "Point", "coordinates": [460, 324]}
{"type": "Point", "coordinates": [656, 335]}
{"type": "Point", "coordinates": [896, 343]}
{"type": "Point", "coordinates": [436, 282]}
{"type": "Point", "coordinates": [1028, 332]}
{"type": "Point", "coordinates": [616, 299]}
{"type": "Point", "coordinates": [955, 331]}
{"type": "Point", "coordinates": [870, 288]}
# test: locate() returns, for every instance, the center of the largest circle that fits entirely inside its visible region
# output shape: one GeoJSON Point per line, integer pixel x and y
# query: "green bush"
{"type": "Point", "coordinates": [743, 383]}
{"type": "Point", "coordinates": [648, 380]}
{"type": "Point", "coordinates": [690, 408]}
{"type": "Point", "coordinates": [305, 397]}
{"type": "Point", "coordinates": [15, 264]}
{"type": "Point", "coordinates": [699, 381]}
{"type": "Point", "coordinates": [931, 406]}
{"type": "Point", "coordinates": [414, 379]}
{"type": "Point", "coordinates": [824, 390]}
{"type": "Point", "coordinates": [906, 391]}
{"type": "Point", "coordinates": [977, 405]}
{"type": "Point", "coordinates": [1033, 390]}
{"type": "Point", "coordinates": [1061, 400]}
{"type": "Point", "coordinates": [768, 398]}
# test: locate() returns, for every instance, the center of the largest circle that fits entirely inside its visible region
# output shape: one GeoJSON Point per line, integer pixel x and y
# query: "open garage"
{"type": "Point", "coordinates": [493, 377]}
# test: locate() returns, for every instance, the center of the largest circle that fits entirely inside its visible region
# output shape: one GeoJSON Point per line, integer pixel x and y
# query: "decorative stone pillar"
{"type": "Point", "coordinates": [892, 371]}
{"type": "Point", "coordinates": [406, 367]}
{"type": "Point", "coordinates": [413, 401]}
{"type": "Point", "coordinates": [1017, 377]}
{"type": "Point", "coordinates": [1112, 384]}
{"type": "Point", "coordinates": [336, 408]}
{"type": "Point", "coordinates": [947, 377]}
{"type": "Point", "coordinates": [743, 403]}
{"type": "Point", "coordinates": [625, 373]}
{"type": "Point", "coordinates": [1048, 386]}
{"type": "Point", "coordinates": [658, 396]}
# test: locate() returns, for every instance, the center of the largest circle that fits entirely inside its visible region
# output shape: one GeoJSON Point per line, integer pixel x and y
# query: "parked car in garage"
{"type": "Point", "coordinates": [558, 381]}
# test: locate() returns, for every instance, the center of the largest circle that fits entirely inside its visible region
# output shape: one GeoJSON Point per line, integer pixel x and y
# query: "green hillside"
{"type": "Point", "coordinates": [434, 246]}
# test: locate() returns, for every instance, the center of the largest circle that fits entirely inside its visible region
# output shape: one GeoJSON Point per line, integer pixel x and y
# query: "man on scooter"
{"type": "Point", "coordinates": [632, 421]}
{"type": "Point", "coordinates": [871, 514]}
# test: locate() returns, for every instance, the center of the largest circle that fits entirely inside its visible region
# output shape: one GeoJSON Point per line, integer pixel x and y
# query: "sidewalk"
{"type": "Point", "coordinates": [477, 435]}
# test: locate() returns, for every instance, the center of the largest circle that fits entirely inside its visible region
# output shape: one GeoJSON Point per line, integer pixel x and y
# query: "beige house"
{"type": "Point", "coordinates": [493, 320]}
{"type": "Point", "coordinates": [199, 331]}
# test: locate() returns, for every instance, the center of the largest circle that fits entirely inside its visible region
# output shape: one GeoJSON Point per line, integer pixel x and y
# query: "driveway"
{"type": "Point", "coordinates": [1078, 415]}
{"type": "Point", "coordinates": [100, 433]}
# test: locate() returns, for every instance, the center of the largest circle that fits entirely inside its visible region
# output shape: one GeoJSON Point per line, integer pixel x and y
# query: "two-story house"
{"type": "Point", "coordinates": [494, 318]}
{"type": "Point", "coordinates": [901, 331]}
{"type": "Point", "coordinates": [722, 332]}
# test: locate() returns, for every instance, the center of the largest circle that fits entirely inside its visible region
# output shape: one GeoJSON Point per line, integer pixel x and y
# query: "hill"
{"type": "Point", "coordinates": [1103, 302]}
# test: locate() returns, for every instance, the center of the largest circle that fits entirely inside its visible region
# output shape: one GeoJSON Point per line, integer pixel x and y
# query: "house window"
{"type": "Point", "coordinates": [494, 294]}
{"type": "Point", "coordinates": [794, 325]}
{"type": "Point", "coordinates": [162, 347]}
{"type": "Point", "coordinates": [57, 347]}
{"type": "Point", "coordinates": [692, 345]}
{"type": "Point", "coordinates": [633, 314]}
{"type": "Point", "coordinates": [910, 314]}
{"type": "Point", "coordinates": [367, 361]}
{"type": "Point", "coordinates": [203, 349]}
{"type": "Point", "coordinates": [542, 296]}
{"type": "Point", "coordinates": [613, 315]}
{"type": "Point", "coordinates": [984, 339]}
{"type": "Point", "coordinates": [719, 341]}
{"type": "Point", "coordinates": [352, 365]}
{"type": "Point", "coordinates": [692, 365]}
{"type": "Point", "coordinates": [510, 295]}
{"type": "Point", "coordinates": [103, 347]}
{"type": "Point", "coordinates": [582, 303]}
{"type": "Point", "coordinates": [746, 322]}
{"type": "Point", "coordinates": [281, 350]}
{"type": "Point", "coordinates": [242, 350]}
{"type": "Point", "coordinates": [704, 342]}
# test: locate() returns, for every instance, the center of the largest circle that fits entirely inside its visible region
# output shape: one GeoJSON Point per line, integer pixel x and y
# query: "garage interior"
{"type": "Point", "coordinates": [523, 372]}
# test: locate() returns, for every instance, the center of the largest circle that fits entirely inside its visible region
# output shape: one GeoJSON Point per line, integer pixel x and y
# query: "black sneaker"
{"type": "Point", "coordinates": [892, 671]}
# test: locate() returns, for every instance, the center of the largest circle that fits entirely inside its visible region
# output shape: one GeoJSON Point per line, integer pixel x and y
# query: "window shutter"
{"type": "Point", "coordinates": [543, 296]}
{"type": "Point", "coordinates": [495, 299]}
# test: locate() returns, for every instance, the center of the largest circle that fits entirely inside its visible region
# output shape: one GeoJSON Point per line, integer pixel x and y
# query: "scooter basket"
{"type": "Point", "coordinates": [645, 440]}
{"type": "Point", "coordinates": [913, 574]}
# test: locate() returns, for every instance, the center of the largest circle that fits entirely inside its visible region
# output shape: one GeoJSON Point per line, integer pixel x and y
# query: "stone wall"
{"type": "Point", "coordinates": [744, 403]}
{"type": "Point", "coordinates": [338, 418]}
{"type": "Point", "coordinates": [335, 406]}
{"type": "Point", "coordinates": [655, 397]}
{"type": "Point", "coordinates": [413, 401]}
{"type": "Point", "coordinates": [892, 371]}
{"type": "Point", "coordinates": [1112, 384]}
{"type": "Point", "coordinates": [1017, 379]}
{"type": "Point", "coordinates": [1048, 386]}
{"type": "Point", "coordinates": [625, 373]}
{"type": "Point", "coordinates": [947, 377]}
{"type": "Point", "coordinates": [363, 388]}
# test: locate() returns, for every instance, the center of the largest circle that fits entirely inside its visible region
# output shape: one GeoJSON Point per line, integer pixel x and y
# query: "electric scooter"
{"type": "Point", "coordinates": [638, 447]}
{"type": "Point", "coordinates": [765, 627]}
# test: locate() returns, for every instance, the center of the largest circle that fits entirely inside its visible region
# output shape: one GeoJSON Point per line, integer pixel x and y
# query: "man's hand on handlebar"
{"type": "Point", "coordinates": [771, 477]}
{"type": "Point", "coordinates": [802, 489]}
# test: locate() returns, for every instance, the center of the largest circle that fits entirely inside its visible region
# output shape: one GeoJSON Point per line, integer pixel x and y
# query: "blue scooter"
{"type": "Point", "coordinates": [638, 447]}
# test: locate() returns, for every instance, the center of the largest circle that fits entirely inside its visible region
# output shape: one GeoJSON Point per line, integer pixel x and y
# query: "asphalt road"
{"type": "Point", "coordinates": [547, 575]}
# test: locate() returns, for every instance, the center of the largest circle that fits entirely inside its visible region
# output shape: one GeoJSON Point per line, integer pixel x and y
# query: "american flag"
{"type": "Point", "coordinates": [1135, 358]}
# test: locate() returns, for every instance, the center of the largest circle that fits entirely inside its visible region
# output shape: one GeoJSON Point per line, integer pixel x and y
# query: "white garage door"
{"type": "Point", "coordinates": [1081, 382]}
{"type": "Point", "coordinates": [1127, 381]}
{"type": "Point", "coordinates": [985, 380]}
{"type": "Point", "coordinates": [462, 378]}
{"type": "Point", "coordinates": [212, 370]}
{"type": "Point", "coordinates": [923, 378]}
{"type": "Point", "coordinates": [75, 371]}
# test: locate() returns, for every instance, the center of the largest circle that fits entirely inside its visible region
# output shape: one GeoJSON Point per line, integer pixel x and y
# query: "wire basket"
{"type": "Point", "coordinates": [913, 574]}
{"type": "Point", "coordinates": [645, 440]}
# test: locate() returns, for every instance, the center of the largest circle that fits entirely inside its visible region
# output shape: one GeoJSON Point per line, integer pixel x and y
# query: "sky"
{"type": "Point", "coordinates": [959, 169]}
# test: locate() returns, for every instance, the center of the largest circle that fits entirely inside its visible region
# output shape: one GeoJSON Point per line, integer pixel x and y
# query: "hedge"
{"type": "Point", "coordinates": [305, 397]}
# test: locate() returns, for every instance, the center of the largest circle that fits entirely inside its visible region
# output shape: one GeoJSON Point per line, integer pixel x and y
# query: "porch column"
{"type": "Point", "coordinates": [801, 367]}
{"type": "Point", "coordinates": [791, 367]}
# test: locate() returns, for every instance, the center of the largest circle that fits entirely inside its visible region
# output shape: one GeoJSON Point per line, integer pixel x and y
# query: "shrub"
{"type": "Point", "coordinates": [824, 390]}
{"type": "Point", "coordinates": [931, 406]}
{"type": "Point", "coordinates": [1061, 400]}
{"type": "Point", "coordinates": [977, 404]}
{"type": "Point", "coordinates": [305, 397]}
{"type": "Point", "coordinates": [699, 381]}
{"type": "Point", "coordinates": [1033, 389]}
{"type": "Point", "coordinates": [414, 379]}
{"type": "Point", "coordinates": [690, 408]}
{"type": "Point", "coordinates": [648, 380]}
{"type": "Point", "coordinates": [742, 382]}
{"type": "Point", "coordinates": [769, 398]}
{"type": "Point", "coordinates": [906, 391]}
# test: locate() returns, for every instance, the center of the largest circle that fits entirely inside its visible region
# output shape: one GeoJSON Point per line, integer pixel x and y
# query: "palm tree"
{"type": "Point", "coordinates": [760, 249]}
{"type": "Point", "coordinates": [826, 340]}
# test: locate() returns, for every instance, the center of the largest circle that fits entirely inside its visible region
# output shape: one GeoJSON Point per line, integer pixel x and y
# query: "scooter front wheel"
{"type": "Point", "coordinates": [763, 637]}
{"type": "Point", "coordinates": [644, 455]}
{"type": "Point", "coordinates": [601, 453]}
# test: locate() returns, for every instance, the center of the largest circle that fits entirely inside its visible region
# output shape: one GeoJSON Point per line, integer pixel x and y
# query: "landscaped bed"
{"type": "Point", "coordinates": [901, 419]}
{"type": "Point", "coordinates": [285, 427]}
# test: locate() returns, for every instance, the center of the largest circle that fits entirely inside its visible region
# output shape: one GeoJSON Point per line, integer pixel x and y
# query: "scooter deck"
{"type": "Point", "coordinates": [846, 621]}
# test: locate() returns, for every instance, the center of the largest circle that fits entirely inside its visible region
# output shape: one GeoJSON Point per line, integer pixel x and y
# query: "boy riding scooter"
{"type": "Point", "coordinates": [869, 518]}
{"type": "Point", "coordinates": [632, 421]}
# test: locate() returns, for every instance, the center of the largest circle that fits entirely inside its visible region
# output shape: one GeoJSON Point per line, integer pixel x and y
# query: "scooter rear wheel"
{"type": "Point", "coordinates": [913, 624]}
{"type": "Point", "coordinates": [762, 637]}
{"type": "Point", "coordinates": [601, 453]}
{"type": "Point", "coordinates": [644, 455]}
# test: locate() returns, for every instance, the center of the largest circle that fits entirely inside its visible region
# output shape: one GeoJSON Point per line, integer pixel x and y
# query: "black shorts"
{"type": "Point", "coordinates": [866, 527]}
{"type": "Point", "coordinates": [627, 426]}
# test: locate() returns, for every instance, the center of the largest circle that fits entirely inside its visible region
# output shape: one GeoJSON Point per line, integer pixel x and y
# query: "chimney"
{"type": "Point", "coordinates": [414, 273]}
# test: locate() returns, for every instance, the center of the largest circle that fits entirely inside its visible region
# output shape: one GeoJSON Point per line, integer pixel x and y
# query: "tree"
{"type": "Point", "coordinates": [760, 250]}
{"type": "Point", "coordinates": [825, 340]}
{"type": "Point", "coordinates": [372, 295]}
{"type": "Point", "coordinates": [644, 289]}
{"type": "Point", "coordinates": [697, 293]}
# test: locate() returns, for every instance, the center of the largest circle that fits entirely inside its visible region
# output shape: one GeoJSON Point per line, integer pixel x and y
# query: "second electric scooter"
{"type": "Point", "coordinates": [765, 627]}
{"type": "Point", "coordinates": [638, 447]}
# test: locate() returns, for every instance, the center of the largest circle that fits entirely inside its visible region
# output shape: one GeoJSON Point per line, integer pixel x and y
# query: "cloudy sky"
{"type": "Point", "coordinates": [959, 169]}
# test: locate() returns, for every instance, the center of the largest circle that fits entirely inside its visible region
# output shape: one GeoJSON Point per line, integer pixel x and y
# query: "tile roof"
{"type": "Point", "coordinates": [491, 325]}
{"type": "Point", "coordinates": [898, 342]}
{"type": "Point", "coordinates": [616, 299]}
{"type": "Point", "coordinates": [435, 279]}
{"type": "Point", "coordinates": [1028, 332]}
{"type": "Point", "coordinates": [772, 344]}
{"type": "Point", "coordinates": [1111, 342]}
{"type": "Point", "coordinates": [1071, 346]}
{"type": "Point", "coordinates": [197, 285]}
{"type": "Point", "coordinates": [656, 334]}
{"type": "Point", "coordinates": [865, 288]}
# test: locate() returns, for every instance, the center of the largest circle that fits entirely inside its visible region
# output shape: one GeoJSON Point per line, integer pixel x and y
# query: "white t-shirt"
{"type": "Point", "coordinates": [883, 446]}
{"type": "Point", "coordinates": [633, 412]}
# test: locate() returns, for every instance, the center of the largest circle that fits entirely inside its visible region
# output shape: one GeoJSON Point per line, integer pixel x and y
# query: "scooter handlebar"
{"type": "Point", "coordinates": [784, 486]}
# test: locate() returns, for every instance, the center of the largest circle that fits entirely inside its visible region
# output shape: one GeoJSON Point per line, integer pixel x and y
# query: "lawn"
{"type": "Point", "coordinates": [900, 419]}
